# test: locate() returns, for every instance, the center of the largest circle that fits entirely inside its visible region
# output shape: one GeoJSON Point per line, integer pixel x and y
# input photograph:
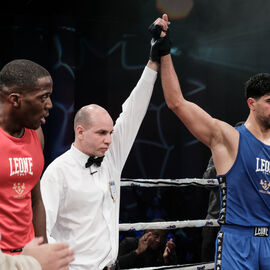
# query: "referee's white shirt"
{"type": "Point", "coordinates": [82, 209]}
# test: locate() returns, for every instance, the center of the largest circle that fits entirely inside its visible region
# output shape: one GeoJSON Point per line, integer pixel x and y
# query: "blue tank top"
{"type": "Point", "coordinates": [245, 188]}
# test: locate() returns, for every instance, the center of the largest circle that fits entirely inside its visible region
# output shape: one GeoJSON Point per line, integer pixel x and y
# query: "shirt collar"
{"type": "Point", "coordinates": [79, 156]}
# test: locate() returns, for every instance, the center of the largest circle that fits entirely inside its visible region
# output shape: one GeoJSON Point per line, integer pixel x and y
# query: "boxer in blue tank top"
{"type": "Point", "coordinates": [243, 241]}
{"type": "Point", "coordinates": [242, 160]}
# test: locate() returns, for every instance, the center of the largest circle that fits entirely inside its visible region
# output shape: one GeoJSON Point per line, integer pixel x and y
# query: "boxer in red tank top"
{"type": "Point", "coordinates": [21, 167]}
{"type": "Point", "coordinates": [25, 89]}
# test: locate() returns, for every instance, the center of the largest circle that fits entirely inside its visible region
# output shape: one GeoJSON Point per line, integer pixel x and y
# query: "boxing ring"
{"type": "Point", "coordinates": [169, 225]}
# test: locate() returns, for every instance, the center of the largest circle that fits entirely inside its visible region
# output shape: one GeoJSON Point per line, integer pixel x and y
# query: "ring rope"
{"type": "Point", "coordinates": [125, 182]}
{"type": "Point", "coordinates": [167, 225]}
{"type": "Point", "coordinates": [169, 182]}
{"type": "Point", "coordinates": [207, 266]}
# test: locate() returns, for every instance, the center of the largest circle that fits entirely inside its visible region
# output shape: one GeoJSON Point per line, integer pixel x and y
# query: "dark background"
{"type": "Point", "coordinates": [96, 52]}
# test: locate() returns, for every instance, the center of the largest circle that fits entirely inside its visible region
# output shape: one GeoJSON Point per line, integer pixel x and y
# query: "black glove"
{"type": "Point", "coordinates": [154, 51]}
{"type": "Point", "coordinates": [160, 46]}
{"type": "Point", "coordinates": [155, 31]}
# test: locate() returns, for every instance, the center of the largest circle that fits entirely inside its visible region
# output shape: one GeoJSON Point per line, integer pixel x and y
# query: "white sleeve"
{"type": "Point", "coordinates": [51, 190]}
{"type": "Point", "coordinates": [128, 123]}
{"type": "Point", "coordinates": [18, 262]}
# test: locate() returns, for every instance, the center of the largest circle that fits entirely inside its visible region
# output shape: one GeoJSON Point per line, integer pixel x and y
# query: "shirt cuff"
{"type": "Point", "coordinates": [149, 75]}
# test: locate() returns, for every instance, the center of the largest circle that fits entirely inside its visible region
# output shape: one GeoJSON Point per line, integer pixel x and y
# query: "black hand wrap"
{"type": "Point", "coordinates": [155, 31]}
{"type": "Point", "coordinates": [160, 46]}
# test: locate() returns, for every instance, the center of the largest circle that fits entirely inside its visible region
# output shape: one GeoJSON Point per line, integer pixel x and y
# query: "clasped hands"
{"type": "Point", "coordinates": [160, 42]}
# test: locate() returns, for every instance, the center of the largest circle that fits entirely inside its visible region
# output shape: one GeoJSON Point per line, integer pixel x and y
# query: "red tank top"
{"type": "Point", "coordinates": [21, 165]}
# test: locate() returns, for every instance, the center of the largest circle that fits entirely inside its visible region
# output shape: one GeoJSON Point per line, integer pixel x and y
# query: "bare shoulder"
{"type": "Point", "coordinates": [229, 131]}
{"type": "Point", "coordinates": [40, 136]}
{"type": "Point", "coordinates": [226, 137]}
{"type": "Point", "coordinates": [225, 151]}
